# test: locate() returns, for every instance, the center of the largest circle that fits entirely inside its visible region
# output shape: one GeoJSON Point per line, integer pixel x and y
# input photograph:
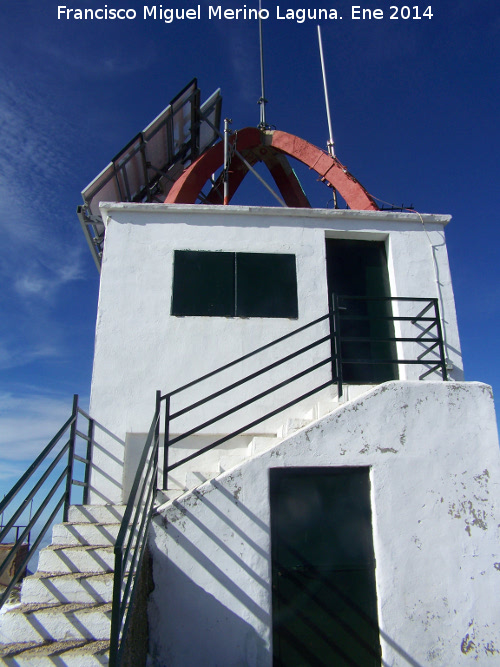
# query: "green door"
{"type": "Point", "coordinates": [323, 568]}
{"type": "Point", "coordinates": [357, 271]}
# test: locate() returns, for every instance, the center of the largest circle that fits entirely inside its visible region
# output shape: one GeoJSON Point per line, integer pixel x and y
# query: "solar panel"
{"type": "Point", "coordinates": [146, 168]}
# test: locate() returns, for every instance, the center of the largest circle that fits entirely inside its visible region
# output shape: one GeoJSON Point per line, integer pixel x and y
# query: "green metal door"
{"type": "Point", "coordinates": [357, 270]}
{"type": "Point", "coordinates": [323, 568]}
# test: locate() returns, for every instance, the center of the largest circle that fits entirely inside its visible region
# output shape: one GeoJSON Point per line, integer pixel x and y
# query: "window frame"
{"type": "Point", "coordinates": [241, 291]}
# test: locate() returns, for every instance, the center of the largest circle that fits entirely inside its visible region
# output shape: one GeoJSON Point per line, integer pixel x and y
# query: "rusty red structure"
{"type": "Point", "coordinates": [272, 147]}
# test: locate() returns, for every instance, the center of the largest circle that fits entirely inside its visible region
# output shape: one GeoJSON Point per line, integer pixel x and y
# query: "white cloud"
{"type": "Point", "coordinates": [13, 355]}
{"type": "Point", "coordinates": [43, 282]}
{"type": "Point", "coordinates": [27, 424]}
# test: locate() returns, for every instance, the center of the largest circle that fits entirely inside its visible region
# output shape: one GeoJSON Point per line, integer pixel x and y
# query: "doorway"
{"type": "Point", "coordinates": [357, 273]}
{"type": "Point", "coordinates": [323, 568]}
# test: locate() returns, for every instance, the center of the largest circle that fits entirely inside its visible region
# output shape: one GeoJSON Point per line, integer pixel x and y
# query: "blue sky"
{"type": "Point", "coordinates": [415, 116]}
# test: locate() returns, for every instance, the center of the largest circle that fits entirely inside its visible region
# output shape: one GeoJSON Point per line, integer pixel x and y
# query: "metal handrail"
{"type": "Point", "coordinates": [336, 315]}
{"type": "Point", "coordinates": [131, 542]}
{"type": "Point", "coordinates": [333, 359]}
{"type": "Point", "coordinates": [132, 539]}
{"type": "Point", "coordinates": [41, 472]}
{"type": "Point", "coordinates": [434, 341]}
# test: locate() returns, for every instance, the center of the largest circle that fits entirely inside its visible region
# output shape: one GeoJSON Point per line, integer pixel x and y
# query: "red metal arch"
{"type": "Point", "coordinates": [251, 140]}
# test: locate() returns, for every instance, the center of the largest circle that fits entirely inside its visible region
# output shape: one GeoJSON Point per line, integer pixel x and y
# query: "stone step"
{"type": "Point", "coordinates": [96, 513]}
{"type": "Point", "coordinates": [228, 461]}
{"type": "Point", "coordinates": [41, 622]}
{"type": "Point", "coordinates": [195, 478]}
{"type": "Point", "coordinates": [262, 443]}
{"type": "Point", "coordinates": [66, 588]}
{"type": "Point", "coordinates": [180, 481]}
{"type": "Point", "coordinates": [293, 425]}
{"type": "Point", "coordinates": [325, 407]}
{"type": "Point", "coordinates": [74, 653]}
{"type": "Point", "coordinates": [95, 534]}
{"type": "Point", "coordinates": [56, 559]}
{"type": "Point", "coordinates": [164, 496]}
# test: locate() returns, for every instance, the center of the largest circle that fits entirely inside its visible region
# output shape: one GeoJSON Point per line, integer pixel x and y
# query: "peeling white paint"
{"type": "Point", "coordinates": [437, 573]}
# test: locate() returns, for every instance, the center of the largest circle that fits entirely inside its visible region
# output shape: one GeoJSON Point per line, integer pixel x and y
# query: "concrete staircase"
{"type": "Point", "coordinates": [241, 448]}
{"type": "Point", "coordinates": [223, 458]}
{"type": "Point", "coordinates": [64, 615]}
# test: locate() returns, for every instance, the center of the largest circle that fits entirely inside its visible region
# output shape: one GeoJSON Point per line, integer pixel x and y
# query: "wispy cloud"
{"type": "Point", "coordinates": [40, 256]}
{"type": "Point", "coordinates": [15, 355]}
{"type": "Point", "coordinates": [27, 423]}
{"type": "Point", "coordinates": [43, 282]}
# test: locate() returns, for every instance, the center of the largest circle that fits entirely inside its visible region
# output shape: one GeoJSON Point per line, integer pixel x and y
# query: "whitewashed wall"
{"type": "Point", "coordinates": [435, 484]}
{"type": "Point", "coordinates": [140, 347]}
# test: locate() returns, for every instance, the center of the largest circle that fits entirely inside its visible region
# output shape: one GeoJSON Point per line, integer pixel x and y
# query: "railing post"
{"type": "Point", "coordinates": [157, 437]}
{"type": "Point", "coordinates": [440, 336]}
{"type": "Point", "coordinates": [332, 339]}
{"type": "Point", "coordinates": [71, 452]}
{"type": "Point", "coordinates": [335, 342]}
{"type": "Point", "coordinates": [90, 444]}
{"type": "Point", "coordinates": [116, 623]}
{"type": "Point", "coordinates": [166, 441]}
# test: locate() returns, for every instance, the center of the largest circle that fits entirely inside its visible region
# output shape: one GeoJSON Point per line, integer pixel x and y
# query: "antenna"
{"type": "Point", "coordinates": [330, 143]}
{"type": "Point", "coordinates": [262, 101]}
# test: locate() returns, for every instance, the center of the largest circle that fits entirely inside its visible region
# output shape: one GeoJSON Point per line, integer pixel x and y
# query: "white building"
{"type": "Point", "coordinates": [423, 453]}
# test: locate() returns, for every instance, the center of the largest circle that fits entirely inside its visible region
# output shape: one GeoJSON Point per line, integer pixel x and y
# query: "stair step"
{"type": "Point", "coordinates": [325, 407]}
{"type": "Point", "coordinates": [228, 461]}
{"type": "Point", "coordinates": [295, 424]}
{"type": "Point", "coordinates": [74, 653]}
{"type": "Point", "coordinates": [263, 442]}
{"type": "Point", "coordinates": [67, 588]}
{"type": "Point", "coordinates": [95, 534]}
{"type": "Point", "coordinates": [96, 513]}
{"type": "Point", "coordinates": [164, 496]}
{"type": "Point", "coordinates": [36, 622]}
{"type": "Point", "coordinates": [56, 559]}
{"type": "Point", "coordinates": [194, 479]}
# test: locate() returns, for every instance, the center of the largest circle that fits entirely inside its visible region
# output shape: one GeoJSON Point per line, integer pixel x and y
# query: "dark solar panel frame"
{"type": "Point", "coordinates": [146, 168]}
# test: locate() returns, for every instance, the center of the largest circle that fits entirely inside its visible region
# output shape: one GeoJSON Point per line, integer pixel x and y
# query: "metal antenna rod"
{"type": "Point", "coordinates": [262, 102]}
{"type": "Point", "coordinates": [227, 122]}
{"type": "Point", "coordinates": [330, 142]}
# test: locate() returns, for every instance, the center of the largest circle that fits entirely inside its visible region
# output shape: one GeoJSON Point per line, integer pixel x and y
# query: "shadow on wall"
{"type": "Point", "coordinates": [219, 637]}
{"type": "Point", "coordinates": [218, 557]}
{"type": "Point", "coordinates": [104, 462]}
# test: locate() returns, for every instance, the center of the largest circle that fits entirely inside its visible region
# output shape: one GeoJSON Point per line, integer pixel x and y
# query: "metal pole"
{"type": "Point", "coordinates": [116, 616]}
{"type": "Point", "coordinates": [227, 121]}
{"type": "Point", "coordinates": [333, 347]}
{"type": "Point", "coordinates": [157, 439]}
{"type": "Point", "coordinates": [90, 446]}
{"type": "Point", "coordinates": [250, 168]}
{"type": "Point", "coordinates": [338, 343]}
{"type": "Point", "coordinates": [444, 370]}
{"type": "Point", "coordinates": [262, 102]}
{"type": "Point", "coordinates": [71, 453]}
{"type": "Point", "coordinates": [166, 439]}
{"type": "Point", "coordinates": [330, 143]}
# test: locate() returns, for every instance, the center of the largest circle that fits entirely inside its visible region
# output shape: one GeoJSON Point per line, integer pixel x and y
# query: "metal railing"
{"type": "Point", "coordinates": [132, 539]}
{"type": "Point", "coordinates": [332, 359]}
{"type": "Point", "coordinates": [57, 461]}
{"type": "Point", "coordinates": [428, 336]}
{"type": "Point", "coordinates": [427, 322]}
